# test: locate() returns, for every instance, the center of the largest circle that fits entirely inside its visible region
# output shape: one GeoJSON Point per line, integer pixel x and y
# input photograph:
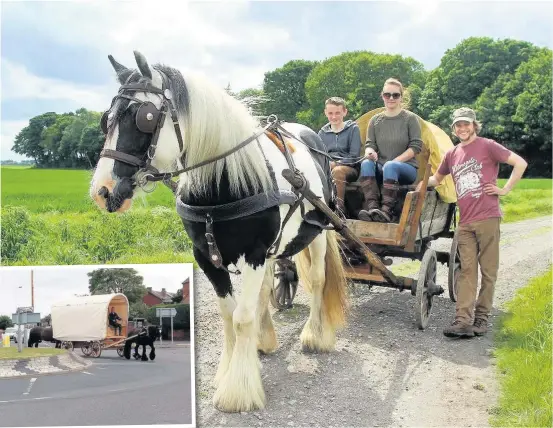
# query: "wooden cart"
{"type": "Point", "coordinates": [83, 322]}
{"type": "Point", "coordinates": [367, 247]}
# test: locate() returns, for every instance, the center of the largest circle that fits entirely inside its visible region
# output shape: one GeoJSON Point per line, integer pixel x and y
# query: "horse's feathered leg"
{"type": "Point", "coordinates": [223, 287]}
{"type": "Point", "coordinates": [227, 305]}
{"type": "Point", "coordinates": [266, 335]}
{"type": "Point", "coordinates": [320, 270]}
{"type": "Point", "coordinates": [153, 351]}
{"type": "Point", "coordinates": [241, 389]}
{"type": "Point", "coordinates": [144, 355]}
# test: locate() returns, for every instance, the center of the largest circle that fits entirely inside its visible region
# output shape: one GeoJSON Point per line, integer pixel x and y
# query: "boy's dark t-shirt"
{"type": "Point", "coordinates": [472, 167]}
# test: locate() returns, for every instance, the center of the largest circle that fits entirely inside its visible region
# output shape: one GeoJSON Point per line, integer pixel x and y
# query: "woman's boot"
{"type": "Point", "coordinates": [390, 190]}
{"type": "Point", "coordinates": [371, 194]}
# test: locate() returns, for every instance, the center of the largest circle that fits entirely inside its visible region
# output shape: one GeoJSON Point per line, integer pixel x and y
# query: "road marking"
{"type": "Point", "coordinates": [25, 399]}
{"type": "Point", "coordinates": [33, 380]}
{"type": "Point", "coordinates": [91, 374]}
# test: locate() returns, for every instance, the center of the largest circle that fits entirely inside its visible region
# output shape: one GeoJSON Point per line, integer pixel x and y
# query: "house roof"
{"type": "Point", "coordinates": [166, 299]}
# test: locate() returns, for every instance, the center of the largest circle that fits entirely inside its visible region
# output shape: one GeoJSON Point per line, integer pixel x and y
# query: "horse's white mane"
{"type": "Point", "coordinates": [215, 123]}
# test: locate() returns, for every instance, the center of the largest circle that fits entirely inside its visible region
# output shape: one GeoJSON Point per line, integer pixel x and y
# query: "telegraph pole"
{"type": "Point", "coordinates": [32, 292]}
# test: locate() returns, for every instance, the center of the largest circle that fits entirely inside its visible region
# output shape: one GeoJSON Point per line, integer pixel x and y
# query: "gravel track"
{"type": "Point", "coordinates": [384, 372]}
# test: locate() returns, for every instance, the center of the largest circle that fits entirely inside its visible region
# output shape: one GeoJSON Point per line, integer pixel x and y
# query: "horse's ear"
{"type": "Point", "coordinates": [123, 72]}
{"type": "Point", "coordinates": [143, 64]}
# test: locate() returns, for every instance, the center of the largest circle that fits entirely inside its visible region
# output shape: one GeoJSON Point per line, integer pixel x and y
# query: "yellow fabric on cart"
{"type": "Point", "coordinates": [435, 140]}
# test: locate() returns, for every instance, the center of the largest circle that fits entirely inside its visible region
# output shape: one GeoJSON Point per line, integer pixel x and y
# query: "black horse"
{"type": "Point", "coordinates": [39, 334]}
{"type": "Point", "coordinates": [146, 337]}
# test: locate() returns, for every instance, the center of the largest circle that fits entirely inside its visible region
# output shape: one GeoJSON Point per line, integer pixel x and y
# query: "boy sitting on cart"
{"type": "Point", "coordinates": [112, 320]}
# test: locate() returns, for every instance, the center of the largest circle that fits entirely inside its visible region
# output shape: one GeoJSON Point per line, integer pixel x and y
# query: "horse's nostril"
{"type": "Point", "coordinates": [103, 192]}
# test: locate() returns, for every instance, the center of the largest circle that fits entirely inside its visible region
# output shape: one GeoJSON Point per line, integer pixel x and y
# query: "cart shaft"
{"type": "Point", "coordinates": [298, 182]}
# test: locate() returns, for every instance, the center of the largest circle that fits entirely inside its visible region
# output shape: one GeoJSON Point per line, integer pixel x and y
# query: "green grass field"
{"type": "Point", "coordinates": [530, 198]}
{"type": "Point", "coordinates": [523, 352]}
{"type": "Point", "coordinates": [49, 219]}
{"type": "Point", "coordinates": [11, 352]}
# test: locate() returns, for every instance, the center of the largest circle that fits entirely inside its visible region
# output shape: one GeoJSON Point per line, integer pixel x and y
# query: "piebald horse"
{"type": "Point", "coordinates": [239, 212]}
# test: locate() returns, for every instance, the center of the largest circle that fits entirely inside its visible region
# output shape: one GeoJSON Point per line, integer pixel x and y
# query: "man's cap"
{"type": "Point", "coordinates": [463, 113]}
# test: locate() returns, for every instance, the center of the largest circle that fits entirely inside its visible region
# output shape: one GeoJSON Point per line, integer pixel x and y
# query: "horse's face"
{"type": "Point", "coordinates": [130, 126]}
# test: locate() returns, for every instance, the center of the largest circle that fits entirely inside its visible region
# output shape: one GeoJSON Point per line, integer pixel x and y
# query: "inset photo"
{"type": "Point", "coordinates": [97, 345]}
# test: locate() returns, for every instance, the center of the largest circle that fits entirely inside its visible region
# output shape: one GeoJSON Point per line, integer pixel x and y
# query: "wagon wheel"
{"type": "Point", "coordinates": [120, 351]}
{"type": "Point", "coordinates": [86, 349]}
{"type": "Point", "coordinates": [283, 293]}
{"type": "Point", "coordinates": [426, 288]}
{"type": "Point", "coordinates": [95, 349]}
{"type": "Point", "coordinates": [67, 345]}
{"type": "Point", "coordinates": [454, 268]}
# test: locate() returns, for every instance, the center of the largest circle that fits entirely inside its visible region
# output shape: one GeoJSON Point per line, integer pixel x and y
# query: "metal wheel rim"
{"type": "Point", "coordinates": [86, 350]}
{"type": "Point", "coordinates": [120, 352]}
{"type": "Point", "coordinates": [96, 350]}
{"type": "Point", "coordinates": [283, 293]}
{"type": "Point", "coordinates": [427, 274]}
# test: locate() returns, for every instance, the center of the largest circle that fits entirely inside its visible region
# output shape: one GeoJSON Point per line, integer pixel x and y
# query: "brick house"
{"type": "Point", "coordinates": [186, 291]}
{"type": "Point", "coordinates": [153, 297]}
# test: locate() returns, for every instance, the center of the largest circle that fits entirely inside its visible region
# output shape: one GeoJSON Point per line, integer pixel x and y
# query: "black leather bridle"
{"type": "Point", "coordinates": [150, 120]}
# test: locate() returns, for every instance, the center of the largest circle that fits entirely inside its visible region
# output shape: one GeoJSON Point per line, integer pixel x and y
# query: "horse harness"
{"type": "Point", "coordinates": [149, 119]}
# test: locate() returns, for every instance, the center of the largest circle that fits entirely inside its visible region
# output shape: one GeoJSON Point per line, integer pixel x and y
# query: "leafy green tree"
{"type": "Point", "coordinates": [516, 110]}
{"type": "Point", "coordinates": [138, 309]}
{"type": "Point", "coordinates": [28, 141]}
{"type": "Point", "coordinates": [284, 89]}
{"type": "Point", "coordinates": [177, 298]}
{"type": "Point", "coordinates": [469, 68]}
{"type": "Point", "coordinates": [358, 78]}
{"type": "Point", "coordinates": [5, 322]}
{"type": "Point", "coordinates": [118, 280]}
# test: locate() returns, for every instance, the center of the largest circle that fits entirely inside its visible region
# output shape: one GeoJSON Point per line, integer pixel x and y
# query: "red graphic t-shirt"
{"type": "Point", "coordinates": [472, 167]}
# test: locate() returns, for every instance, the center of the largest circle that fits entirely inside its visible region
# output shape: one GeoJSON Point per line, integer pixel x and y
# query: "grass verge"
{"type": "Point", "coordinates": [531, 198]}
{"type": "Point", "coordinates": [12, 354]}
{"type": "Point", "coordinates": [523, 352]}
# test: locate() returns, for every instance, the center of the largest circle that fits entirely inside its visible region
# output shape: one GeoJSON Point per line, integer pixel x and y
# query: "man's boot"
{"type": "Point", "coordinates": [459, 329]}
{"type": "Point", "coordinates": [371, 194]}
{"type": "Point", "coordinates": [390, 190]}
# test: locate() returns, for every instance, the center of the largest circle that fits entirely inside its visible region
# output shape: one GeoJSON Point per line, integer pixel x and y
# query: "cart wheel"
{"type": "Point", "coordinates": [96, 349]}
{"type": "Point", "coordinates": [454, 268]}
{"type": "Point", "coordinates": [283, 293]}
{"type": "Point", "coordinates": [86, 349]}
{"type": "Point", "coordinates": [120, 352]}
{"type": "Point", "coordinates": [67, 345]}
{"type": "Point", "coordinates": [425, 283]}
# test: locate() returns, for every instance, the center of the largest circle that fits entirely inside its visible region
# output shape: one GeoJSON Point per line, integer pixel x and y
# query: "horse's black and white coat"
{"type": "Point", "coordinates": [212, 122]}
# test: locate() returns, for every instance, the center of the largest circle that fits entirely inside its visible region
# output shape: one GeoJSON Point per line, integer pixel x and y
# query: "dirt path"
{"type": "Point", "coordinates": [385, 372]}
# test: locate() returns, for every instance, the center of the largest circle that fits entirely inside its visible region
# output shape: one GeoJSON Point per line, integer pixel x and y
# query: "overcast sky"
{"type": "Point", "coordinates": [54, 54]}
{"type": "Point", "coordinates": [53, 283]}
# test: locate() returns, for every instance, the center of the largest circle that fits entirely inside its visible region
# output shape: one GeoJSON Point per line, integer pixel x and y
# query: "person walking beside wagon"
{"type": "Point", "coordinates": [392, 143]}
{"type": "Point", "coordinates": [474, 166]}
{"type": "Point", "coordinates": [343, 144]}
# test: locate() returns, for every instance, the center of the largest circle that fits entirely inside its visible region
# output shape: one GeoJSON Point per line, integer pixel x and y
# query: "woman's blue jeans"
{"type": "Point", "coordinates": [401, 172]}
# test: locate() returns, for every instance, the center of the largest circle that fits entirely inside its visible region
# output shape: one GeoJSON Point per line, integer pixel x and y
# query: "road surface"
{"type": "Point", "coordinates": [113, 391]}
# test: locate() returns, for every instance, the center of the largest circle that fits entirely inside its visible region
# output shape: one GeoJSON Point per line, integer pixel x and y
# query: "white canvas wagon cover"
{"type": "Point", "coordinates": [86, 318]}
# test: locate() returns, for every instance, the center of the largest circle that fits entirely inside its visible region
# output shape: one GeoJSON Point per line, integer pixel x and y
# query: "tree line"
{"type": "Point", "coordinates": [507, 82]}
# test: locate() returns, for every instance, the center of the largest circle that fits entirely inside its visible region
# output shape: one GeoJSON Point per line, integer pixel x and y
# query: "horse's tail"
{"type": "Point", "coordinates": [335, 296]}
{"type": "Point", "coordinates": [127, 349]}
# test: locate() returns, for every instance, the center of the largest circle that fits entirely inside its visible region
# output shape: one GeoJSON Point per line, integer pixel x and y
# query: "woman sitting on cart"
{"type": "Point", "coordinates": [112, 319]}
{"type": "Point", "coordinates": [392, 143]}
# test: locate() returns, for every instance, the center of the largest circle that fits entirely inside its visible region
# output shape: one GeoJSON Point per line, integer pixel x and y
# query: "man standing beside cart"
{"type": "Point", "coordinates": [474, 166]}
